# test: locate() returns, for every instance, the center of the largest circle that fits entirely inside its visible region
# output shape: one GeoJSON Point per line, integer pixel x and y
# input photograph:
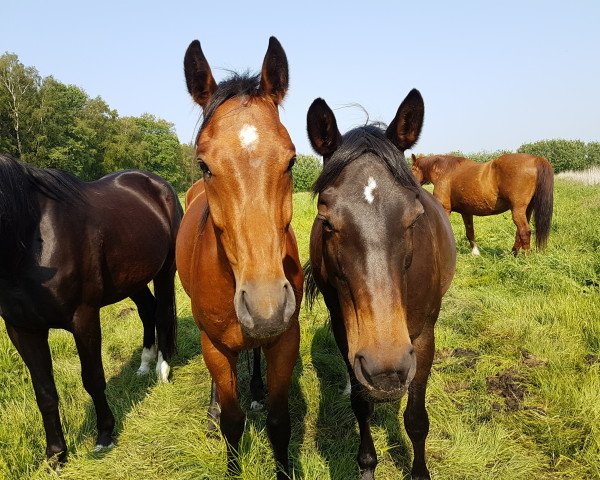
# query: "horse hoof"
{"type": "Point", "coordinates": [100, 448]}
{"type": "Point", "coordinates": [142, 371]}
{"type": "Point", "coordinates": [162, 369]}
{"type": "Point", "coordinates": [475, 252]}
{"type": "Point", "coordinates": [256, 406]}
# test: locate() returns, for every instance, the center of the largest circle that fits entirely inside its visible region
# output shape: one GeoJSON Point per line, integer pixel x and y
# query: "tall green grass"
{"type": "Point", "coordinates": [513, 394]}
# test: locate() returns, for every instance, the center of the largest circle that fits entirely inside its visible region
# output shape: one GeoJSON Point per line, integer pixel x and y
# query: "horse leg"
{"type": "Point", "coordinates": [214, 409]}
{"type": "Point", "coordinates": [468, 221]}
{"type": "Point", "coordinates": [86, 330]}
{"type": "Point", "coordinates": [523, 236]}
{"type": "Point", "coordinates": [281, 357]}
{"type": "Point", "coordinates": [146, 305]}
{"type": "Point", "coordinates": [35, 352]}
{"type": "Point", "coordinates": [416, 420]}
{"type": "Point", "coordinates": [363, 409]}
{"type": "Point", "coordinates": [222, 368]}
{"type": "Point", "coordinates": [166, 319]}
{"type": "Point", "coordinates": [257, 387]}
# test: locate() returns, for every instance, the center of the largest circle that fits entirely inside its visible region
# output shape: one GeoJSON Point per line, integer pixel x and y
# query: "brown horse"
{"type": "Point", "coordinates": [520, 182]}
{"type": "Point", "coordinates": [236, 252]}
{"type": "Point", "coordinates": [382, 253]}
{"type": "Point", "coordinates": [68, 248]}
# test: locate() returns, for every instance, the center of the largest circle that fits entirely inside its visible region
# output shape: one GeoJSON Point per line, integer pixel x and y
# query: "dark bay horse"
{"type": "Point", "coordinates": [520, 182]}
{"type": "Point", "coordinates": [236, 252]}
{"type": "Point", "coordinates": [382, 253]}
{"type": "Point", "coordinates": [67, 249]}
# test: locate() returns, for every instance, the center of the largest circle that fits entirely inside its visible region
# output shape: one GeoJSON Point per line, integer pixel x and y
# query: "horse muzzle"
{"type": "Point", "coordinates": [385, 380]}
{"type": "Point", "coordinates": [264, 309]}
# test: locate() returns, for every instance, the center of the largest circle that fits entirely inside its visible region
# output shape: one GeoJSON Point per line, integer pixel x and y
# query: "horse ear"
{"type": "Point", "coordinates": [322, 129]}
{"type": "Point", "coordinates": [414, 158]}
{"type": "Point", "coordinates": [406, 126]}
{"type": "Point", "coordinates": [274, 76]}
{"type": "Point", "coordinates": [198, 76]}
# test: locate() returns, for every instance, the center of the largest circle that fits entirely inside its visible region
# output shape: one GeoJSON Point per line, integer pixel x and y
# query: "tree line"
{"type": "Point", "coordinates": [50, 124]}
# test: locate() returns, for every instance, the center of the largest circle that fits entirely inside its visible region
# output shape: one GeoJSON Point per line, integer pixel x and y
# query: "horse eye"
{"type": "Point", "coordinates": [291, 164]}
{"type": "Point", "coordinates": [326, 224]}
{"type": "Point", "coordinates": [204, 167]}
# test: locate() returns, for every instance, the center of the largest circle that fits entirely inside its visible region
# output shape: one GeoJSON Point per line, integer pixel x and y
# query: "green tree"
{"type": "Point", "coordinates": [19, 89]}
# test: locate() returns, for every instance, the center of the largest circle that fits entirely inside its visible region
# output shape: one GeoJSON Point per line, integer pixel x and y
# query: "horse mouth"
{"type": "Point", "coordinates": [378, 391]}
{"type": "Point", "coordinates": [379, 395]}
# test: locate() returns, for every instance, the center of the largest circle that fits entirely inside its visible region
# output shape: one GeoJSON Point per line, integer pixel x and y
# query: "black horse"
{"type": "Point", "coordinates": [68, 248]}
{"type": "Point", "coordinates": [382, 254]}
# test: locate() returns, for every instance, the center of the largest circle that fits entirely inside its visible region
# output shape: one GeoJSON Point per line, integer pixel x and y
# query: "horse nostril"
{"type": "Point", "coordinates": [411, 352]}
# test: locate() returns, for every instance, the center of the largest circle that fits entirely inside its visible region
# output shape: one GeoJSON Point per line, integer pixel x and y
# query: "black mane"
{"type": "Point", "coordinates": [357, 142]}
{"type": "Point", "coordinates": [19, 206]}
{"type": "Point", "coordinates": [237, 85]}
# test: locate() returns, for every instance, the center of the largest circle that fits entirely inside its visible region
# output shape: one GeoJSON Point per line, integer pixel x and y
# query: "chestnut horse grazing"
{"type": "Point", "coordinates": [68, 248]}
{"type": "Point", "coordinates": [520, 182]}
{"type": "Point", "coordinates": [236, 252]}
{"type": "Point", "coordinates": [382, 253]}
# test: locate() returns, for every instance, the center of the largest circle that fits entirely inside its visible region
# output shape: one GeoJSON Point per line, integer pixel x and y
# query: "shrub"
{"type": "Point", "coordinates": [305, 172]}
{"type": "Point", "coordinates": [592, 151]}
{"type": "Point", "coordinates": [562, 154]}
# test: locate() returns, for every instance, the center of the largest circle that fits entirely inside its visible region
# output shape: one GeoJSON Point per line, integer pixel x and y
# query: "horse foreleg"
{"type": "Point", "coordinates": [281, 357]}
{"type": "Point", "coordinates": [470, 231]}
{"type": "Point", "coordinates": [146, 306]}
{"type": "Point", "coordinates": [214, 409]}
{"type": "Point", "coordinates": [523, 235]}
{"type": "Point", "coordinates": [257, 387]}
{"type": "Point", "coordinates": [222, 368]}
{"type": "Point", "coordinates": [363, 409]}
{"type": "Point", "coordinates": [416, 420]}
{"type": "Point", "coordinates": [35, 352]}
{"type": "Point", "coordinates": [86, 330]}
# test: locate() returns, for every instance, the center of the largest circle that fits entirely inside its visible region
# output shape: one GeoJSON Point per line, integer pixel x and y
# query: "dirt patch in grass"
{"type": "Point", "coordinates": [510, 386]}
{"type": "Point", "coordinates": [125, 311]}
{"type": "Point", "coordinates": [591, 359]}
{"type": "Point", "coordinates": [468, 356]}
{"type": "Point", "coordinates": [530, 360]}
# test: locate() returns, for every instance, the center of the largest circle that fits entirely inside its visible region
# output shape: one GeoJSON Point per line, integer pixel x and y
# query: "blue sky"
{"type": "Point", "coordinates": [493, 74]}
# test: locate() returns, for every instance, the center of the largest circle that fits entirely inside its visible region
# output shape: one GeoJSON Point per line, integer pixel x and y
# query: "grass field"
{"type": "Point", "coordinates": [514, 392]}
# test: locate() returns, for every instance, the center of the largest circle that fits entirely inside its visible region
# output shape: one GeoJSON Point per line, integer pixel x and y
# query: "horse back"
{"type": "Point", "coordinates": [133, 217]}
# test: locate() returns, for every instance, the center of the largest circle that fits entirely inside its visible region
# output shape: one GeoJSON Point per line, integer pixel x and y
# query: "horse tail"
{"type": "Point", "coordinates": [542, 202]}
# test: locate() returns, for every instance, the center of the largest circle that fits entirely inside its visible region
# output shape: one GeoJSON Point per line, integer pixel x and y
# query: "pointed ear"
{"type": "Point", "coordinates": [198, 77]}
{"type": "Point", "coordinates": [414, 158]}
{"type": "Point", "coordinates": [274, 76]}
{"type": "Point", "coordinates": [406, 126]}
{"type": "Point", "coordinates": [322, 129]}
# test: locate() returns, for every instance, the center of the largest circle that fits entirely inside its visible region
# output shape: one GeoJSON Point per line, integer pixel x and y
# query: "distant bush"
{"type": "Point", "coordinates": [562, 154]}
{"type": "Point", "coordinates": [305, 172]}
{"type": "Point", "coordinates": [593, 154]}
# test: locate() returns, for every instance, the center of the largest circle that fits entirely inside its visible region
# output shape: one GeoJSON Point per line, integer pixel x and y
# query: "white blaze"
{"type": "Point", "coordinates": [248, 137]}
{"type": "Point", "coordinates": [371, 185]}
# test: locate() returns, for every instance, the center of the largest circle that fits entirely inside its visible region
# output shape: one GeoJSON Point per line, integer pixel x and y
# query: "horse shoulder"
{"type": "Point", "coordinates": [291, 263]}
{"type": "Point", "coordinates": [187, 239]}
{"type": "Point", "coordinates": [194, 192]}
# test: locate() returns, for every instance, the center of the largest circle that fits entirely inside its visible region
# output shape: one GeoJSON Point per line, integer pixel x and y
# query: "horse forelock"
{"type": "Point", "coordinates": [358, 142]}
{"type": "Point", "coordinates": [245, 85]}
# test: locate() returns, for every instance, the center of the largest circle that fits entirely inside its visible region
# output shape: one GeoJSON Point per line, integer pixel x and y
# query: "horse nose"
{"type": "Point", "coordinates": [386, 374]}
{"type": "Point", "coordinates": [264, 308]}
